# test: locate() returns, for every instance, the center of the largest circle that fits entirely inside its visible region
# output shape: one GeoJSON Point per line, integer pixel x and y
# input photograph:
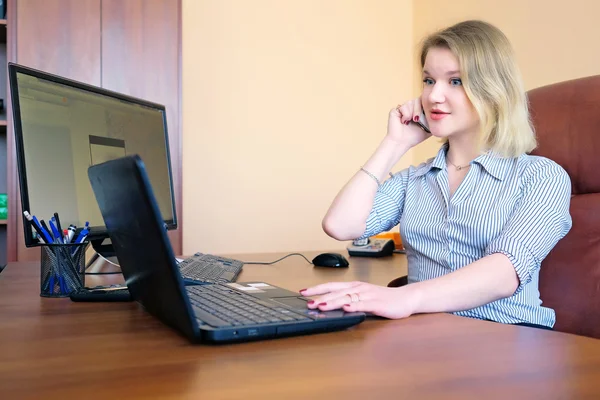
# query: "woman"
{"type": "Point", "coordinates": [478, 219]}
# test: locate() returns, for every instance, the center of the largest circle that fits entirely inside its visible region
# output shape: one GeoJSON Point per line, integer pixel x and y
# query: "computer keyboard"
{"type": "Point", "coordinates": [209, 268]}
{"type": "Point", "coordinates": [219, 306]}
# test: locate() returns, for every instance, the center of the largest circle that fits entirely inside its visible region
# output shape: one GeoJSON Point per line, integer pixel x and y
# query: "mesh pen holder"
{"type": "Point", "coordinates": [62, 269]}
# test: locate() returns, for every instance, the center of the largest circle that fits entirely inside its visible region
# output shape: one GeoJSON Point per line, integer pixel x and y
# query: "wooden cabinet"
{"type": "Point", "coordinates": [3, 137]}
{"type": "Point", "coordinates": [141, 54]}
{"type": "Point", "coordinates": [130, 46]}
{"type": "Point", "coordinates": [62, 37]}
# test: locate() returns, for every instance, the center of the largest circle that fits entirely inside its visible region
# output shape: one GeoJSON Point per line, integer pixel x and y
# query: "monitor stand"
{"type": "Point", "coordinates": [101, 258]}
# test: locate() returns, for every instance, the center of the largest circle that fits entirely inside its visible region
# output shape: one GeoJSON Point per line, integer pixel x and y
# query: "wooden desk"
{"type": "Point", "coordinates": [54, 348]}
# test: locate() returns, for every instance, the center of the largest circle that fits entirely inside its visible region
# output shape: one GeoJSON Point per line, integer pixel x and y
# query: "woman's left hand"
{"type": "Point", "coordinates": [385, 302]}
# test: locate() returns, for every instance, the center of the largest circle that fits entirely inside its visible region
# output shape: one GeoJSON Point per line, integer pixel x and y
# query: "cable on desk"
{"type": "Point", "coordinates": [276, 261]}
{"type": "Point", "coordinates": [106, 273]}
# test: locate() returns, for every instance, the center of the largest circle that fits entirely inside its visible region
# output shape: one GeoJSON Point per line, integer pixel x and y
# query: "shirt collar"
{"type": "Point", "coordinates": [439, 162]}
{"type": "Point", "coordinates": [493, 163]}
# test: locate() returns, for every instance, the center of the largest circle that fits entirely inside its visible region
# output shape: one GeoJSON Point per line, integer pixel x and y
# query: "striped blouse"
{"type": "Point", "coordinates": [515, 206]}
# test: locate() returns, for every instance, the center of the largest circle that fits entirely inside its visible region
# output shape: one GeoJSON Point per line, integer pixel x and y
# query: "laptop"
{"type": "Point", "coordinates": [207, 312]}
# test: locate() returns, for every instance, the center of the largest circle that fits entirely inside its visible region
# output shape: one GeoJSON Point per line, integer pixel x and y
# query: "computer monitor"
{"type": "Point", "coordinates": [62, 127]}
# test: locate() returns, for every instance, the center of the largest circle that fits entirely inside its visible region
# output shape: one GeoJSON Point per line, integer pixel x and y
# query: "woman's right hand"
{"type": "Point", "coordinates": [400, 130]}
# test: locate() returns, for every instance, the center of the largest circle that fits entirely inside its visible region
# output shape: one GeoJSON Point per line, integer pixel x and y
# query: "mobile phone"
{"type": "Point", "coordinates": [423, 122]}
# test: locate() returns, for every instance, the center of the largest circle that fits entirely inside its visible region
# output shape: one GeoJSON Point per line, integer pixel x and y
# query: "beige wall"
{"type": "Point", "coordinates": [282, 103]}
{"type": "Point", "coordinates": [554, 40]}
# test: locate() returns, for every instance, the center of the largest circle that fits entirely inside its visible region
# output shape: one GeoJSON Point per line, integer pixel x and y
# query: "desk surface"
{"type": "Point", "coordinates": [54, 348]}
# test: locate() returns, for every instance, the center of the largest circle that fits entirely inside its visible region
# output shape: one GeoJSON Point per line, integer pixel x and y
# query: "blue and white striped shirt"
{"type": "Point", "coordinates": [515, 206]}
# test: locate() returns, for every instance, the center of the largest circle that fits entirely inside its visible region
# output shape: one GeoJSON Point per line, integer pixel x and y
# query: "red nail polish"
{"type": "Point", "coordinates": [346, 305]}
{"type": "Point", "coordinates": [302, 290]}
{"type": "Point", "coordinates": [322, 304]}
{"type": "Point", "coordinates": [310, 302]}
{"type": "Point", "coordinates": [416, 118]}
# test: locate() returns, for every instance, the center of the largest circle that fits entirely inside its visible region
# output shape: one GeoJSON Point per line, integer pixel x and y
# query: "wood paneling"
{"type": "Point", "coordinates": [12, 192]}
{"type": "Point", "coordinates": [61, 37]}
{"type": "Point", "coordinates": [129, 46]}
{"type": "Point", "coordinates": [141, 57]}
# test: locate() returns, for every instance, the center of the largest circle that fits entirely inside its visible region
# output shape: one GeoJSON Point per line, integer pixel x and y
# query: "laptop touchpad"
{"type": "Point", "coordinates": [294, 302]}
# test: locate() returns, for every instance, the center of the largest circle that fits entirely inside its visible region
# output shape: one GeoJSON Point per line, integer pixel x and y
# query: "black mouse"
{"type": "Point", "coordinates": [334, 260]}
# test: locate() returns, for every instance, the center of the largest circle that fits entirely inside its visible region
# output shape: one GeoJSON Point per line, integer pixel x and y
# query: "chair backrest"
{"type": "Point", "coordinates": [566, 117]}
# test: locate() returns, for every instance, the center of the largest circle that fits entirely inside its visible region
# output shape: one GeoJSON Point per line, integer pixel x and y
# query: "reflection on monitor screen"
{"type": "Point", "coordinates": [104, 149]}
{"type": "Point", "coordinates": [62, 127]}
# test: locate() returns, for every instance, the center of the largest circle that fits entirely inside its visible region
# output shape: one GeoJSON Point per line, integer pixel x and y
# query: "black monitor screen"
{"type": "Point", "coordinates": [62, 127]}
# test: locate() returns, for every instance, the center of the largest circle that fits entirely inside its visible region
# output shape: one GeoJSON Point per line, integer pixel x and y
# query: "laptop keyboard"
{"type": "Point", "coordinates": [209, 268]}
{"type": "Point", "coordinates": [219, 306]}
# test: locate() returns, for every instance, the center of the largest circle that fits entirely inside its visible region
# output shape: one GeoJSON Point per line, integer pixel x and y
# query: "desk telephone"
{"type": "Point", "coordinates": [371, 247]}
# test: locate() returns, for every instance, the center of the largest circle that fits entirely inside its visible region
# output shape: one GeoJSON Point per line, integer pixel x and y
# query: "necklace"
{"type": "Point", "coordinates": [459, 167]}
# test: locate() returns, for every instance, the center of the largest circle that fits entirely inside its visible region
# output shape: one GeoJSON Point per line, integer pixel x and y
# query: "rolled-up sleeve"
{"type": "Point", "coordinates": [388, 204]}
{"type": "Point", "coordinates": [540, 219]}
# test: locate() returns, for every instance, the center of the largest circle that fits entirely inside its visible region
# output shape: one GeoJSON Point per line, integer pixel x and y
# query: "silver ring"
{"type": "Point", "coordinates": [355, 297]}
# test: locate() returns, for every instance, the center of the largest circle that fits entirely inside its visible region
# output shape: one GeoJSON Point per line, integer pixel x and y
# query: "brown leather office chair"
{"type": "Point", "coordinates": [566, 117]}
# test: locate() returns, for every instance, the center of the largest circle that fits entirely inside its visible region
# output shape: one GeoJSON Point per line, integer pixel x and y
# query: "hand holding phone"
{"type": "Point", "coordinates": [423, 122]}
{"type": "Point", "coordinates": [399, 124]}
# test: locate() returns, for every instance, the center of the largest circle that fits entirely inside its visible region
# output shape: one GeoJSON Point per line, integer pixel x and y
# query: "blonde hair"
{"type": "Point", "coordinates": [492, 82]}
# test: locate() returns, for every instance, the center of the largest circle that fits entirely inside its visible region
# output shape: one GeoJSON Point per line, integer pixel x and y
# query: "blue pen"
{"type": "Point", "coordinates": [83, 234]}
{"type": "Point", "coordinates": [46, 236]}
{"type": "Point", "coordinates": [51, 283]}
{"type": "Point", "coordinates": [43, 224]}
{"type": "Point", "coordinates": [81, 237]}
{"type": "Point", "coordinates": [62, 286]}
{"type": "Point", "coordinates": [55, 232]}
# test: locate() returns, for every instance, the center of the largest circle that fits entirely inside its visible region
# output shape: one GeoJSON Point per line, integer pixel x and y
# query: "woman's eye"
{"type": "Point", "coordinates": [455, 81]}
{"type": "Point", "coordinates": [428, 81]}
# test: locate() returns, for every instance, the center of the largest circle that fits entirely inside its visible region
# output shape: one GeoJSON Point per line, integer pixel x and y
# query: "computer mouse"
{"type": "Point", "coordinates": [333, 260]}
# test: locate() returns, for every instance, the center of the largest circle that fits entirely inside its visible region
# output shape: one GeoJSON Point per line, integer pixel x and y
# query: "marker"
{"type": "Point", "coordinates": [71, 233]}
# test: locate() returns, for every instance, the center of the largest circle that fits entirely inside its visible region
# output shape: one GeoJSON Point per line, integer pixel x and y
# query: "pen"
{"type": "Point", "coordinates": [62, 286]}
{"type": "Point", "coordinates": [81, 237]}
{"type": "Point", "coordinates": [83, 234]}
{"type": "Point", "coordinates": [36, 226]}
{"type": "Point", "coordinates": [47, 230]}
{"type": "Point", "coordinates": [58, 227]}
{"type": "Point", "coordinates": [55, 232]}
